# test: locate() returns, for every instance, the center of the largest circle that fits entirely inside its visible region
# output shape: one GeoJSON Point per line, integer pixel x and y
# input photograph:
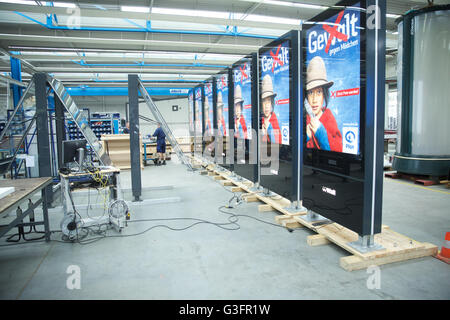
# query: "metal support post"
{"type": "Point", "coordinates": [135, 150]}
{"type": "Point", "coordinates": [43, 145]}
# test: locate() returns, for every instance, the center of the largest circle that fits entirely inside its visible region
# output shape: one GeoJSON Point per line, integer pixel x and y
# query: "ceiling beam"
{"type": "Point", "coordinates": [153, 44]}
{"type": "Point", "coordinates": [106, 59]}
{"type": "Point", "coordinates": [147, 70]}
{"type": "Point", "coordinates": [148, 16]}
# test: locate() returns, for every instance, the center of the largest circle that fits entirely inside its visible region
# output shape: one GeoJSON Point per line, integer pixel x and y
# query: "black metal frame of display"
{"type": "Point", "coordinates": [222, 158]}
{"type": "Point", "coordinates": [247, 169]}
{"type": "Point", "coordinates": [198, 139]}
{"type": "Point", "coordinates": [348, 188]}
{"type": "Point", "coordinates": [287, 181]}
{"type": "Point", "coordinates": [208, 141]}
{"type": "Point", "coordinates": [191, 116]}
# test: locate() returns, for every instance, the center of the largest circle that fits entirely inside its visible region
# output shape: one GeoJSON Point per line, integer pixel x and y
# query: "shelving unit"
{"type": "Point", "coordinates": [73, 132]}
{"type": "Point", "coordinates": [105, 123]}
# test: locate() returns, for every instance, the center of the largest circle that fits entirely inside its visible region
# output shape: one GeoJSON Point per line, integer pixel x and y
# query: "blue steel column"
{"type": "Point", "coordinates": [135, 150]}
{"type": "Point", "coordinates": [16, 74]}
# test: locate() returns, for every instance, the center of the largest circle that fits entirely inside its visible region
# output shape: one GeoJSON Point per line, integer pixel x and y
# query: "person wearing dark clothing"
{"type": "Point", "coordinates": [127, 128]}
{"type": "Point", "coordinates": [160, 145]}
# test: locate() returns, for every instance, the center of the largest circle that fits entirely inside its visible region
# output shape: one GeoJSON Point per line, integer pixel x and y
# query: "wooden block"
{"type": "Point", "coordinates": [218, 178]}
{"type": "Point", "coordinates": [291, 224]}
{"type": "Point", "coordinates": [211, 173]}
{"type": "Point", "coordinates": [251, 198]}
{"type": "Point", "coordinates": [351, 263]}
{"type": "Point", "coordinates": [227, 183]}
{"type": "Point", "coordinates": [265, 208]}
{"type": "Point", "coordinates": [236, 189]}
{"type": "Point", "coordinates": [282, 217]}
{"type": "Point", "coordinates": [317, 240]}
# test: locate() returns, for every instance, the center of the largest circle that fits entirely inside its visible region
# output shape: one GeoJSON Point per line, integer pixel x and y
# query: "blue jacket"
{"type": "Point", "coordinates": [160, 136]}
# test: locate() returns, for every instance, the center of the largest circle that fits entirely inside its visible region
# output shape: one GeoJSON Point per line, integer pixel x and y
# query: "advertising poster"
{"type": "Point", "coordinates": [209, 118]}
{"type": "Point", "coordinates": [243, 101]}
{"type": "Point", "coordinates": [332, 98]}
{"type": "Point", "coordinates": [275, 94]}
{"type": "Point", "coordinates": [198, 112]}
{"type": "Point", "coordinates": [191, 111]}
{"type": "Point", "coordinates": [222, 105]}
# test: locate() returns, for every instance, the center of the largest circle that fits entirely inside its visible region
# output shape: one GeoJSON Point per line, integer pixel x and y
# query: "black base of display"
{"type": "Point", "coordinates": [338, 198]}
{"type": "Point", "coordinates": [421, 166]}
{"type": "Point", "coordinates": [279, 182]}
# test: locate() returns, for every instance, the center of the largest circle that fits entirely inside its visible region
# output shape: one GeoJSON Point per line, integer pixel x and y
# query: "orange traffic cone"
{"type": "Point", "coordinates": [444, 255]}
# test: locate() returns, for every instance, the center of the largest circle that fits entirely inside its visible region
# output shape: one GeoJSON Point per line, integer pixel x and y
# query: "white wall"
{"type": "Point", "coordinates": [177, 120]}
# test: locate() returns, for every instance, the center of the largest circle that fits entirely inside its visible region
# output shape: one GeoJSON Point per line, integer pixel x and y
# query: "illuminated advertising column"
{"type": "Point", "coordinates": [223, 115]}
{"type": "Point", "coordinates": [208, 112]}
{"type": "Point", "coordinates": [198, 112]}
{"type": "Point", "coordinates": [191, 114]}
{"type": "Point", "coordinates": [245, 118]}
{"type": "Point", "coordinates": [333, 85]}
{"type": "Point", "coordinates": [278, 120]}
{"type": "Point", "coordinates": [344, 116]}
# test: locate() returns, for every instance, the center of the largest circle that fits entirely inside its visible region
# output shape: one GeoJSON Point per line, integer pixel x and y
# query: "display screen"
{"type": "Point", "coordinates": [209, 118]}
{"type": "Point", "coordinates": [242, 101]}
{"type": "Point", "coordinates": [274, 91]}
{"type": "Point", "coordinates": [222, 105]}
{"type": "Point", "coordinates": [332, 93]}
{"type": "Point", "coordinates": [198, 112]}
{"type": "Point", "coordinates": [191, 111]}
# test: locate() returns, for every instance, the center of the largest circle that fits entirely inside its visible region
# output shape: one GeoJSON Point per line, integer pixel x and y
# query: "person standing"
{"type": "Point", "coordinates": [126, 130]}
{"type": "Point", "coordinates": [160, 145]}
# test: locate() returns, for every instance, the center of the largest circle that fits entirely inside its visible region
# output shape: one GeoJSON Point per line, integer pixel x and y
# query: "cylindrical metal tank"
{"type": "Point", "coordinates": [423, 83]}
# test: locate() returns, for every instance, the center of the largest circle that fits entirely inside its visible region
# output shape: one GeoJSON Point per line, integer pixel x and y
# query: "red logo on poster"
{"type": "Point", "coordinates": [244, 75]}
{"type": "Point", "coordinates": [345, 93]}
{"type": "Point", "coordinates": [334, 33]}
{"type": "Point", "coordinates": [283, 101]}
{"type": "Point", "coordinates": [275, 58]}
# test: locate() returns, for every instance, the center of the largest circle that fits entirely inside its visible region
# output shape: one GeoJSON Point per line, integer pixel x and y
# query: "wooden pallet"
{"type": "Point", "coordinates": [418, 179]}
{"type": "Point", "coordinates": [396, 247]}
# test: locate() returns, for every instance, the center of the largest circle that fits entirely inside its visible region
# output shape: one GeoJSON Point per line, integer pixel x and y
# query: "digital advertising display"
{"type": "Point", "coordinates": [209, 116]}
{"type": "Point", "coordinates": [222, 105]}
{"type": "Point", "coordinates": [243, 101]}
{"type": "Point", "coordinates": [198, 112]}
{"type": "Point", "coordinates": [191, 111]}
{"type": "Point", "coordinates": [274, 91]}
{"type": "Point", "coordinates": [332, 93]}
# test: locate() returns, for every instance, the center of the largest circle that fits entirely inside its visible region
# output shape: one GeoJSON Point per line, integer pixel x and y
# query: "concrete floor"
{"type": "Point", "coordinates": [258, 261]}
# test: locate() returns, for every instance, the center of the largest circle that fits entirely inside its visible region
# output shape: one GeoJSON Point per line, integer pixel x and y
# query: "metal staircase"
{"type": "Point", "coordinates": [159, 118]}
{"type": "Point", "coordinates": [14, 140]}
{"type": "Point", "coordinates": [80, 119]}
{"type": "Point", "coordinates": [17, 140]}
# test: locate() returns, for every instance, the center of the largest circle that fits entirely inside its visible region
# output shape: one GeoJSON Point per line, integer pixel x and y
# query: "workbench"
{"type": "Point", "coordinates": [25, 189]}
{"type": "Point", "coordinates": [68, 179]}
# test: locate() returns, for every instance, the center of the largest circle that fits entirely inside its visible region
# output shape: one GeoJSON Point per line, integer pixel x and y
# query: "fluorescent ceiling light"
{"type": "Point", "coordinates": [63, 4]}
{"type": "Point", "coordinates": [393, 16]}
{"type": "Point", "coordinates": [192, 13]}
{"type": "Point", "coordinates": [295, 4]}
{"type": "Point", "coordinates": [135, 9]}
{"type": "Point", "coordinates": [32, 3]}
{"type": "Point", "coordinates": [225, 15]}
{"type": "Point", "coordinates": [259, 18]}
